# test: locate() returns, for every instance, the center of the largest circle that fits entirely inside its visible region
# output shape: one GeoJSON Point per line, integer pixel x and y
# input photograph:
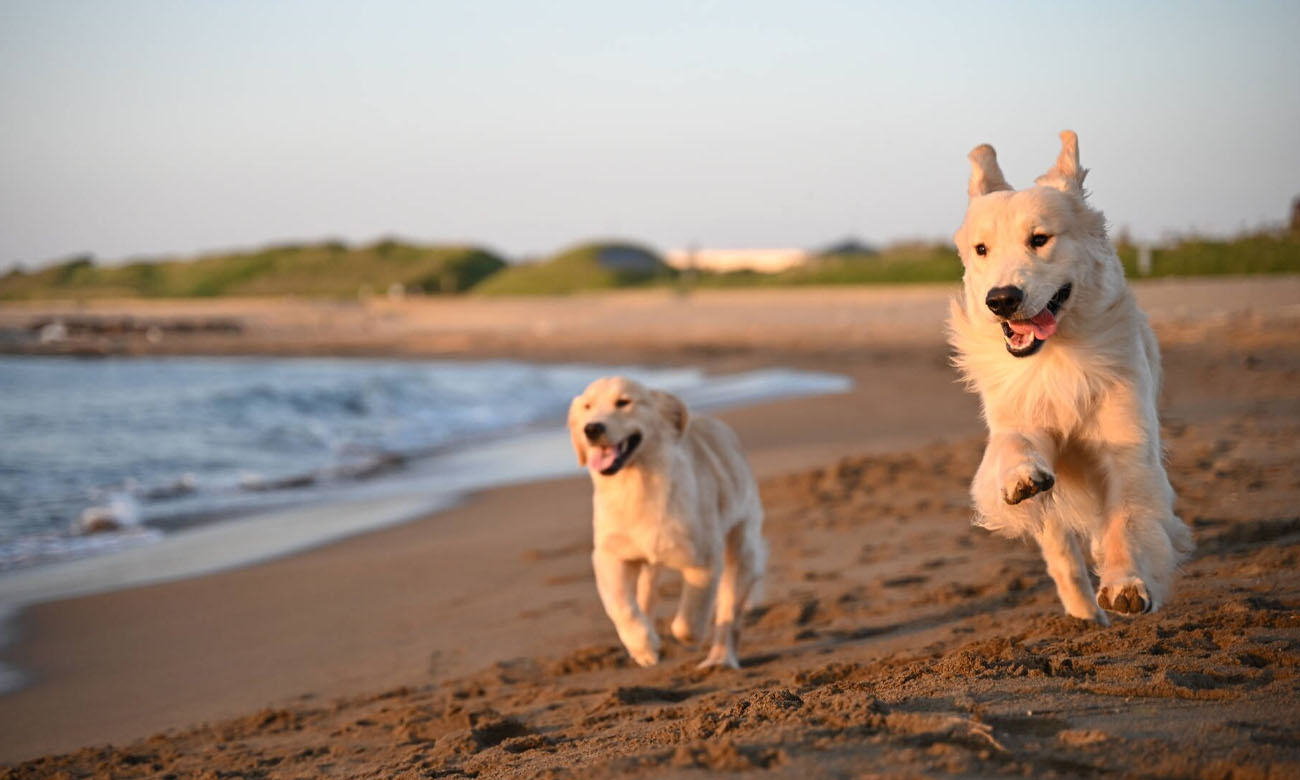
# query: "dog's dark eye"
{"type": "Point", "coordinates": [1039, 239]}
{"type": "Point", "coordinates": [620, 403]}
{"type": "Point", "coordinates": [587, 406]}
{"type": "Point", "coordinates": [981, 250]}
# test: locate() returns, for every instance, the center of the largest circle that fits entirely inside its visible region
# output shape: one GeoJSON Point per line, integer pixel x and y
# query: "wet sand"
{"type": "Point", "coordinates": [894, 638]}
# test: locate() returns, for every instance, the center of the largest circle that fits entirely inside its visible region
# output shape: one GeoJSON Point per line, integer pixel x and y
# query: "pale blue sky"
{"type": "Point", "coordinates": [138, 128]}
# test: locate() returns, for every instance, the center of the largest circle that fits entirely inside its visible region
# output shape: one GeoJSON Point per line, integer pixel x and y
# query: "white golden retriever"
{"type": "Point", "coordinates": [671, 489]}
{"type": "Point", "coordinates": [1068, 373]}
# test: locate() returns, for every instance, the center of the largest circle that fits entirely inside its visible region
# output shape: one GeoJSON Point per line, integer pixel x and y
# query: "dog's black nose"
{"type": "Point", "coordinates": [594, 430]}
{"type": "Point", "coordinates": [1004, 301]}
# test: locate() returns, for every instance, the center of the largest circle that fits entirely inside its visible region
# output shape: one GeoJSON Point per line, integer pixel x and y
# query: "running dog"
{"type": "Point", "coordinates": [1049, 335]}
{"type": "Point", "coordinates": [671, 489]}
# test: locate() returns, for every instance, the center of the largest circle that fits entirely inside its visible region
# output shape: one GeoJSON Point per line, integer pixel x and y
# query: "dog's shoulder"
{"type": "Point", "coordinates": [716, 448]}
{"type": "Point", "coordinates": [711, 431]}
{"type": "Point", "coordinates": [710, 435]}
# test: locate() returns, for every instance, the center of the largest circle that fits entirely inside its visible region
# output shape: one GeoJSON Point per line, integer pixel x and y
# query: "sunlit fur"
{"type": "Point", "coordinates": [1082, 410]}
{"type": "Point", "coordinates": [685, 500]}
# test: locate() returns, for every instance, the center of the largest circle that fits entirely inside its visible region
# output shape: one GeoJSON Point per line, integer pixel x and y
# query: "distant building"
{"type": "Point", "coordinates": [724, 260]}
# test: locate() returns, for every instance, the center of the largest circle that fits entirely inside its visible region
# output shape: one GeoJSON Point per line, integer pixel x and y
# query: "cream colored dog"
{"type": "Point", "coordinates": [671, 489]}
{"type": "Point", "coordinates": [1068, 372]}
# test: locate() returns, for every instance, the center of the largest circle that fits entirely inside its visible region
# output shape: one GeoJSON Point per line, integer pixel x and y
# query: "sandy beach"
{"type": "Point", "coordinates": [894, 639]}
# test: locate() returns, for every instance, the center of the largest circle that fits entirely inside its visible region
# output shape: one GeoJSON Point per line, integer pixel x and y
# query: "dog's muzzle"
{"type": "Point", "coordinates": [1024, 337]}
{"type": "Point", "coordinates": [608, 459]}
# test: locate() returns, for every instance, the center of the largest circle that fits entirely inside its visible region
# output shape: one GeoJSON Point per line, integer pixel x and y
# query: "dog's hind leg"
{"type": "Point", "coordinates": [645, 587]}
{"type": "Point", "coordinates": [1069, 570]}
{"type": "Point", "coordinates": [616, 581]}
{"type": "Point", "coordinates": [746, 558]}
{"type": "Point", "coordinates": [699, 591]}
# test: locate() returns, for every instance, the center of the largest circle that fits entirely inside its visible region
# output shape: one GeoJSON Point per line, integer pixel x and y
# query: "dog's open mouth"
{"type": "Point", "coordinates": [1025, 337]}
{"type": "Point", "coordinates": [608, 460]}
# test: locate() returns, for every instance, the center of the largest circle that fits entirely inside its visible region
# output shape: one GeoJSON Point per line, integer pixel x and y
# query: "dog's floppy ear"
{"type": "Point", "coordinates": [579, 441]}
{"type": "Point", "coordinates": [1066, 175]}
{"type": "Point", "coordinates": [985, 175]}
{"type": "Point", "coordinates": [672, 408]}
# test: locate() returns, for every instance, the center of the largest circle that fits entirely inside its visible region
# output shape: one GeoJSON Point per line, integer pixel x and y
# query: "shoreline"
{"type": "Point", "coordinates": [298, 520]}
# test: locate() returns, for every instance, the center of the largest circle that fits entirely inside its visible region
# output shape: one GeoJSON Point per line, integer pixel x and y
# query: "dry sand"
{"type": "Point", "coordinates": [894, 639]}
{"type": "Point", "coordinates": [757, 325]}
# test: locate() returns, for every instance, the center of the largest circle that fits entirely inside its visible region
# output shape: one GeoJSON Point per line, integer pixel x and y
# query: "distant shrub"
{"type": "Point", "coordinates": [590, 266]}
{"type": "Point", "coordinates": [461, 273]}
{"type": "Point", "coordinates": [848, 246]}
{"type": "Point", "coordinates": [73, 269]}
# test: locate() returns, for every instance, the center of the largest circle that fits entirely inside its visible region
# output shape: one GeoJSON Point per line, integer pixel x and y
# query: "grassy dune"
{"type": "Point", "coordinates": [573, 270]}
{"type": "Point", "coordinates": [324, 270]}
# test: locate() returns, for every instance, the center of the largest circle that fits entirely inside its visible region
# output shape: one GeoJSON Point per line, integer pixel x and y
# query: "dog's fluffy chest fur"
{"type": "Point", "coordinates": [645, 519]}
{"type": "Point", "coordinates": [1066, 386]}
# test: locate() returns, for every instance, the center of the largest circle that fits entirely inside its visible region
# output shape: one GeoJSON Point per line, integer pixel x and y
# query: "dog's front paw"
{"type": "Point", "coordinates": [1025, 481]}
{"type": "Point", "coordinates": [1128, 597]}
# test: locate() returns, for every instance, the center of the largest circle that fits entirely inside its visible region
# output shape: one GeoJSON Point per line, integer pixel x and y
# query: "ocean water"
{"type": "Point", "coordinates": [100, 456]}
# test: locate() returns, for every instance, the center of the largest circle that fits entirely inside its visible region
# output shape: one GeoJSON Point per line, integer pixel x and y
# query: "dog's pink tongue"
{"type": "Point", "coordinates": [1042, 325]}
{"type": "Point", "coordinates": [601, 458]}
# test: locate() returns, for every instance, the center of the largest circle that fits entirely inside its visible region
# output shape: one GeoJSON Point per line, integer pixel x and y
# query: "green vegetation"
{"type": "Point", "coordinates": [594, 266]}
{"type": "Point", "coordinates": [334, 270]}
{"type": "Point", "coordinates": [327, 270]}
{"type": "Point", "coordinates": [1260, 253]}
{"type": "Point", "coordinates": [901, 263]}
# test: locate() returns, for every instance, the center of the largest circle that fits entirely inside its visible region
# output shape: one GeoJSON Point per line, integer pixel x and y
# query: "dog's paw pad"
{"type": "Point", "coordinates": [1130, 598]}
{"type": "Point", "coordinates": [644, 657]}
{"type": "Point", "coordinates": [1029, 485]}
